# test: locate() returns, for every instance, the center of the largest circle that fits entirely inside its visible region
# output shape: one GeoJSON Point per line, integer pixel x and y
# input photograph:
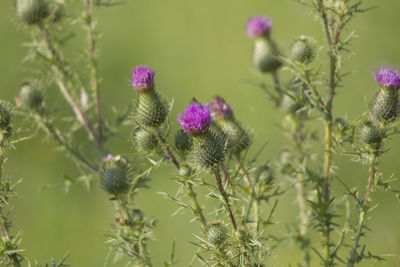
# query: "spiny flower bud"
{"type": "Point", "coordinates": [115, 175]}
{"type": "Point", "coordinates": [32, 11]}
{"type": "Point", "coordinates": [217, 234]}
{"type": "Point", "coordinates": [302, 50]}
{"type": "Point", "coordinates": [145, 140]}
{"type": "Point", "coordinates": [30, 95]}
{"type": "Point", "coordinates": [135, 216]}
{"type": "Point", "coordinates": [196, 118]}
{"type": "Point", "coordinates": [237, 138]}
{"type": "Point", "coordinates": [370, 133]}
{"type": "Point", "coordinates": [266, 55]}
{"type": "Point", "coordinates": [183, 141]}
{"type": "Point", "coordinates": [151, 109]}
{"type": "Point", "coordinates": [208, 150]}
{"type": "Point", "coordinates": [386, 104]}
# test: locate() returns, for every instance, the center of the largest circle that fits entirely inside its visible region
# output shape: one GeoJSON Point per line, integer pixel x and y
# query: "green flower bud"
{"type": "Point", "coordinates": [115, 175]}
{"type": "Point", "coordinates": [237, 138]}
{"type": "Point", "coordinates": [371, 134]}
{"type": "Point", "coordinates": [32, 11]}
{"type": "Point", "coordinates": [145, 140]}
{"type": "Point", "coordinates": [302, 50]}
{"type": "Point", "coordinates": [183, 141]}
{"type": "Point", "coordinates": [266, 55]}
{"type": "Point", "coordinates": [151, 109]}
{"type": "Point", "coordinates": [135, 216]}
{"type": "Point", "coordinates": [217, 234]}
{"type": "Point", "coordinates": [30, 95]}
{"type": "Point", "coordinates": [208, 151]}
{"type": "Point", "coordinates": [386, 105]}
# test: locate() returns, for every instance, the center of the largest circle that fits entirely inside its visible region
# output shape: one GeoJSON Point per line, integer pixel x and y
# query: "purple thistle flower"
{"type": "Point", "coordinates": [258, 25]}
{"type": "Point", "coordinates": [220, 109]}
{"type": "Point", "coordinates": [196, 118]}
{"type": "Point", "coordinates": [387, 76]}
{"type": "Point", "coordinates": [142, 77]}
{"type": "Point", "coordinates": [112, 158]}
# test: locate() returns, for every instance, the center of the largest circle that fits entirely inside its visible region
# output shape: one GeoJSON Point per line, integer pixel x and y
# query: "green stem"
{"type": "Point", "coordinates": [59, 138]}
{"type": "Point", "coordinates": [93, 65]}
{"type": "Point", "coordinates": [363, 215]}
{"type": "Point", "coordinates": [197, 210]}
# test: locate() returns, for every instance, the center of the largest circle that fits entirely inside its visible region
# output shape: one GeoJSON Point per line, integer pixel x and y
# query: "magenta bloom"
{"type": "Point", "coordinates": [258, 25]}
{"type": "Point", "coordinates": [142, 77]}
{"type": "Point", "coordinates": [196, 118]}
{"type": "Point", "coordinates": [387, 76]}
{"type": "Point", "coordinates": [220, 108]}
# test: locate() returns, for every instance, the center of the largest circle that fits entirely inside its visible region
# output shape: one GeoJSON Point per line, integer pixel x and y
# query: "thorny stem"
{"type": "Point", "coordinates": [328, 259]}
{"type": "Point", "coordinates": [144, 254]}
{"type": "Point", "coordinates": [60, 69]}
{"type": "Point", "coordinates": [277, 87]}
{"type": "Point", "coordinates": [197, 210]}
{"type": "Point", "coordinates": [298, 138]}
{"type": "Point", "coordinates": [93, 65]}
{"type": "Point", "coordinates": [226, 199]}
{"type": "Point", "coordinates": [59, 138]}
{"type": "Point", "coordinates": [166, 149]}
{"type": "Point", "coordinates": [5, 236]}
{"type": "Point", "coordinates": [363, 215]}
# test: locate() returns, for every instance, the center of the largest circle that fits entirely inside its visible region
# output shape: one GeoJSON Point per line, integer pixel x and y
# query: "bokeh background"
{"type": "Point", "coordinates": [198, 48]}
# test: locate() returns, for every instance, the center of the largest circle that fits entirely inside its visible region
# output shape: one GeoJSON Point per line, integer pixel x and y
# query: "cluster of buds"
{"type": "Point", "coordinates": [115, 176]}
{"type": "Point", "coordinates": [265, 55]}
{"type": "Point", "coordinates": [385, 107]}
{"type": "Point", "coordinates": [151, 110]}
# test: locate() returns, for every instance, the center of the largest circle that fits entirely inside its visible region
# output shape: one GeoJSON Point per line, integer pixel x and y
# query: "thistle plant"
{"type": "Point", "coordinates": [231, 192]}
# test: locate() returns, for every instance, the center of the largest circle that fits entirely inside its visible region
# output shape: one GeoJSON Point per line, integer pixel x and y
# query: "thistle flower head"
{"type": "Point", "coordinates": [142, 77]}
{"type": "Point", "coordinates": [220, 109]}
{"type": "Point", "coordinates": [387, 76]}
{"type": "Point", "coordinates": [196, 118]}
{"type": "Point", "coordinates": [115, 174]}
{"type": "Point", "coordinates": [258, 26]}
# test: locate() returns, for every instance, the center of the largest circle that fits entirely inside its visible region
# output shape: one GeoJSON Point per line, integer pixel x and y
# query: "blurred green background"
{"type": "Point", "coordinates": [198, 48]}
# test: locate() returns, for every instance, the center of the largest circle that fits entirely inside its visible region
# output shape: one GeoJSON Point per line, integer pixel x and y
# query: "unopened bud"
{"type": "Point", "coordinates": [145, 140]}
{"type": "Point", "coordinates": [115, 175]}
{"type": "Point", "coordinates": [302, 50]}
{"type": "Point", "coordinates": [217, 234]}
{"type": "Point", "coordinates": [370, 133]}
{"type": "Point", "coordinates": [32, 11]}
{"type": "Point", "coordinates": [30, 95]}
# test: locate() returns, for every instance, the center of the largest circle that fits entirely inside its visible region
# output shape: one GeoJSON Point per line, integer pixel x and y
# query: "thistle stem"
{"type": "Point", "coordinates": [93, 65]}
{"type": "Point", "coordinates": [59, 138]}
{"type": "Point", "coordinates": [166, 149]}
{"type": "Point", "coordinates": [226, 199]}
{"type": "Point", "coordinates": [60, 70]}
{"type": "Point", "coordinates": [363, 215]}
{"type": "Point", "coordinates": [197, 210]}
{"type": "Point", "coordinates": [277, 87]}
